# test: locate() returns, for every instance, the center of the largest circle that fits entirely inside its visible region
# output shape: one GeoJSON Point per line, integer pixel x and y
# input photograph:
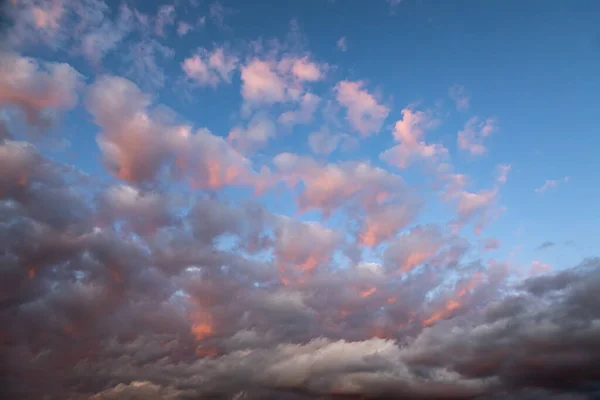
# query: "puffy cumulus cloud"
{"type": "Point", "coordinates": [379, 201]}
{"type": "Point", "coordinates": [210, 68]}
{"type": "Point", "coordinates": [303, 247]}
{"type": "Point", "coordinates": [472, 138]}
{"type": "Point", "coordinates": [37, 88]}
{"type": "Point", "coordinates": [305, 112]}
{"type": "Point", "coordinates": [414, 248]}
{"type": "Point", "coordinates": [129, 294]}
{"type": "Point", "coordinates": [256, 135]}
{"type": "Point", "coordinates": [364, 113]}
{"type": "Point", "coordinates": [149, 288]}
{"type": "Point", "coordinates": [269, 80]}
{"type": "Point", "coordinates": [409, 132]}
{"type": "Point", "coordinates": [138, 142]}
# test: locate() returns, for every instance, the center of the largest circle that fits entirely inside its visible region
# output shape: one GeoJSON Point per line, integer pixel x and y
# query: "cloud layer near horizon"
{"type": "Point", "coordinates": [152, 283]}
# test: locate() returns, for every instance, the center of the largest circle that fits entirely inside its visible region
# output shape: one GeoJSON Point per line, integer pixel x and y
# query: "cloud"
{"type": "Point", "coordinates": [139, 144]}
{"type": "Point", "coordinates": [165, 16]}
{"type": "Point", "coordinates": [502, 171]}
{"type": "Point", "coordinates": [219, 13]}
{"type": "Point", "coordinates": [477, 207]}
{"type": "Point", "coordinates": [472, 137]}
{"type": "Point", "coordinates": [52, 23]}
{"type": "Point", "coordinates": [458, 94]}
{"type": "Point", "coordinates": [408, 132]}
{"type": "Point", "coordinates": [538, 267]}
{"type": "Point", "coordinates": [37, 88]}
{"type": "Point", "coordinates": [183, 28]}
{"type": "Point", "coordinates": [166, 280]}
{"type": "Point", "coordinates": [259, 131]}
{"type": "Point", "coordinates": [210, 68]}
{"type": "Point", "coordinates": [490, 244]}
{"type": "Point", "coordinates": [170, 313]}
{"type": "Point", "coordinates": [271, 81]}
{"type": "Point", "coordinates": [342, 44]}
{"type": "Point", "coordinates": [304, 114]}
{"type": "Point", "coordinates": [545, 245]}
{"type": "Point", "coordinates": [323, 142]}
{"type": "Point", "coordinates": [551, 184]}
{"type": "Point", "coordinates": [364, 113]}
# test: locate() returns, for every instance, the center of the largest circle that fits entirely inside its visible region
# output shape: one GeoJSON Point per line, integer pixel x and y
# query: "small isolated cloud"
{"type": "Point", "coordinates": [183, 28]}
{"type": "Point", "coordinates": [472, 138]}
{"type": "Point", "coordinates": [364, 113]}
{"type": "Point", "coordinates": [210, 68]}
{"type": "Point", "coordinates": [502, 171]}
{"type": "Point", "coordinates": [342, 44]}
{"type": "Point", "coordinates": [551, 184]}
{"type": "Point", "coordinates": [458, 94]}
{"type": "Point", "coordinates": [545, 245]}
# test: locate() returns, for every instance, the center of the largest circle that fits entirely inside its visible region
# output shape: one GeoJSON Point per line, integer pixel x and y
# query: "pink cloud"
{"type": "Point", "coordinates": [210, 68]}
{"type": "Point", "coordinates": [381, 223]}
{"type": "Point", "coordinates": [138, 145]}
{"type": "Point", "coordinates": [35, 87]}
{"type": "Point", "coordinates": [261, 83]}
{"type": "Point", "coordinates": [408, 132]}
{"type": "Point", "coordinates": [413, 248]}
{"type": "Point", "coordinates": [471, 138]}
{"type": "Point", "coordinates": [376, 199]}
{"type": "Point", "coordinates": [331, 186]}
{"type": "Point", "coordinates": [272, 81]}
{"type": "Point", "coordinates": [476, 207]}
{"type": "Point", "coordinates": [551, 184]}
{"type": "Point", "coordinates": [183, 28]}
{"type": "Point", "coordinates": [364, 112]}
{"type": "Point", "coordinates": [301, 247]}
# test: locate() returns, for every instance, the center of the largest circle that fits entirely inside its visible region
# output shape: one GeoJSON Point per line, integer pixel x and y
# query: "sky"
{"type": "Point", "coordinates": [293, 199]}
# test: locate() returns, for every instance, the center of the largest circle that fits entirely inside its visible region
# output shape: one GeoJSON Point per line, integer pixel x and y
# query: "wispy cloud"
{"type": "Point", "coordinates": [551, 184]}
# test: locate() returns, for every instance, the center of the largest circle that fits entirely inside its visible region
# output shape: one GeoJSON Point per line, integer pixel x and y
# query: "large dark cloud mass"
{"type": "Point", "coordinates": [119, 294]}
{"type": "Point", "coordinates": [147, 281]}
